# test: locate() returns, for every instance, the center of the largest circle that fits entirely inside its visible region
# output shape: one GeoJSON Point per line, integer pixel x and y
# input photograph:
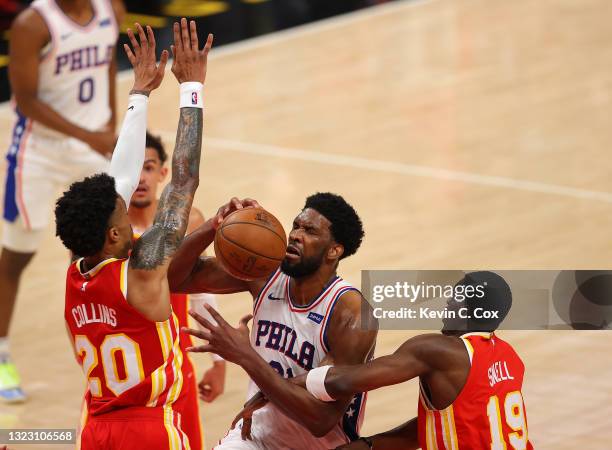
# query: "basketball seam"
{"type": "Point", "coordinates": [248, 250]}
{"type": "Point", "coordinates": [257, 225]}
{"type": "Point", "coordinates": [225, 262]}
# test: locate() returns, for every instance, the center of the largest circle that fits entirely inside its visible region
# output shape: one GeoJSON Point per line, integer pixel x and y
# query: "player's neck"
{"type": "Point", "coordinates": [76, 9]}
{"type": "Point", "coordinates": [142, 218]}
{"type": "Point", "coordinates": [305, 289]}
{"type": "Point", "coordinates": [89, 262]}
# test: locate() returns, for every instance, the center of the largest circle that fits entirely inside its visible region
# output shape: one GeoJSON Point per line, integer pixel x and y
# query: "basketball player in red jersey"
{"type": "Point", "coordinates": [141, 213]}
{"type": "Point", "coordinates": [470, 383]}
{"type": "Point", "coordinates": [305, 316]}
{"type": "Point", "coordinates": [118, 309]}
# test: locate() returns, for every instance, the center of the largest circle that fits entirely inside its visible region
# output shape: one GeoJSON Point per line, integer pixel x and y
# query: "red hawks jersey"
{"type": "Point", "coordinates": [489, 412]}
{"type": "Point", "coordinates": [128, 360]}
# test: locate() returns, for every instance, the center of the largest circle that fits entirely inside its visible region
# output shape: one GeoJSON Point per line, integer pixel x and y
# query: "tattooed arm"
{"type": "Point", "coordinates": [148, 289]}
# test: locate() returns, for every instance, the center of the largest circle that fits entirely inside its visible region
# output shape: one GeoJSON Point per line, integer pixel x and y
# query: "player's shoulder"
{"type": "Point", "coordinates": [437, 349]}
{"type": "Point", "coordinates": [30, 20]}
{"type": "Point", "coordinates": [506, 348]}
{"type": "Point", "coordinates": [350, 305]}
{"type": "Point", "coordinates": [119, 10]}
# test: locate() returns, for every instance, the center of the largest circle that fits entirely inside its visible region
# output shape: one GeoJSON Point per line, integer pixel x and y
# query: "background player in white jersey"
{"type": "Point", "coordinates": [62, 73]}
{"type": "Point", "coordinates": [305, 316]}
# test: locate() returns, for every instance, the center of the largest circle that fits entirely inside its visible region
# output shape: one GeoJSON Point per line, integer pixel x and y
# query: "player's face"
{"type": "Point", "coordinates": [309, 241]}
{"type": "Point", "coordinates": [123, 232]}
{"type": "Point", "coordinates": [457, 324]}
{"type": "Point", "coordinates": [153, 173]}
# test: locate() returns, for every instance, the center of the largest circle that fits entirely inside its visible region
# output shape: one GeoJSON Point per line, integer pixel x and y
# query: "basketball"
{"type": "Point", "coordinates": [250, 243]}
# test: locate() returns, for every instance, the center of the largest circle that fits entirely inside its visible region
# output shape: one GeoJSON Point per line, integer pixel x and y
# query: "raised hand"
{"type": "Point", "coordinates": [233, 205]}
{"type": "Point", "coordinates": [189, 63]}
{"type": "Point", "coordinates": [232, 344]}
{"type": "Point", "coordinates": [212, 384]}
{"type": "Point", "coordinates": [148, 75]}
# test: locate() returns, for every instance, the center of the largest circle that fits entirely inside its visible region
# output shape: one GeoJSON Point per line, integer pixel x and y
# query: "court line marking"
{"type": "Point", "coordinates": [400, 168]}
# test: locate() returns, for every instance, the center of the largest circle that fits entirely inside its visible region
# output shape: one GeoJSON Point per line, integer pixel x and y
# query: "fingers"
{"type": "Point", "coordinates": [245, 320]}
{"type": "Point", "coordinates": [162, 62]}
{"type": "Point", "coordinates": [194, 35]}
{"type": "Point", "coordinates": [151, 38]}
{"type": "Point", "coordinates": [236, 203]}
{"type": "Point", "coordinates": [236, 419]}
{"type": "Point", "coordinates": [251, 202]}
{"type": "Point", "coordinates": [144, 44]}
{"type": "Point", "coordinates": [201, 334]}
{"type": "Point", "coordinates": [245, 432]}
{"type": "Point", "coordinates": [201, 349]}
{"type": "Point", "coordinates": [202, 320]}
{"type": "Point", "coordinates": [213, 312]}
{"type": "Point", "coordinates": [177, 38]}
{"type": "Point", "coordinates": [208, 45]}
{"type": "Point", "coordinates": [185, 35]}
{"type": "Point", "coordinates": [129, 54]}
{"type": "Point", "coordinates": [134, 42]}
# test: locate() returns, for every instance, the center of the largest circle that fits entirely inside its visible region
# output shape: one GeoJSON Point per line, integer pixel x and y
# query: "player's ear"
{"type": "Point", "coordinates": [163, 173]}
{"type": "Point", "coordinates": [335, 251]}
{"type": "Point", "coordinates": [113, 235]}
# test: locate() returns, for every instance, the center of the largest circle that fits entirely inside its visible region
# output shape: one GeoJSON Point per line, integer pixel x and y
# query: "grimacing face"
{"type": "Point", "coordinates": [309, 240]}
{"type": "Point", "coordinates": [152, 174]}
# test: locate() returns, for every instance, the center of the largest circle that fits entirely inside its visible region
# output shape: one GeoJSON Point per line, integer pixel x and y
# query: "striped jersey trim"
{"type": "Point", "coordinates": [262, 294]}
{"type": "Point", "coordinates": [328, 314]}
{"type": "Point", "coordinates": [313, 304]}
{"type": "Point", "coordinates": [93, 272]}
{"type": "Point", "coordinates": [446, 433]}
{"type": "Point", "coordinates": [159, 376]}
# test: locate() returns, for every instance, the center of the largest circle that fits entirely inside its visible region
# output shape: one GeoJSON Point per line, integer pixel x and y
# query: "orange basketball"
{"type": "Point", "coordinates": [250, 243]}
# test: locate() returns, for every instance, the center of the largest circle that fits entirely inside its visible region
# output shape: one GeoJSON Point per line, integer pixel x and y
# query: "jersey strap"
{"type": "Point", "coordinates": [262, 294]}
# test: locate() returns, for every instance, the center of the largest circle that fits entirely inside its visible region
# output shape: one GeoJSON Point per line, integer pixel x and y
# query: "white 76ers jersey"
{"type": "Point", "coordinates": [293, 340]}
{"type": "Point", "coordinates": [73, 72]}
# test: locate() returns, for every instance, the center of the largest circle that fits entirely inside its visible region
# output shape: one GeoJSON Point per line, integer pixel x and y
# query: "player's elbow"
{"type": "Point", "coordinates": [25, 103]}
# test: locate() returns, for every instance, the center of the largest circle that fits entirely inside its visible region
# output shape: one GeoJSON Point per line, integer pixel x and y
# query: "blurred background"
{"type": "Point", "coordinates": [228, 20]}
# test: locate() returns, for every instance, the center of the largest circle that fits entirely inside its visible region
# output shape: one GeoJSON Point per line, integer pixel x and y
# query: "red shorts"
{"type": "Point", "coordinates": [188, 406]}
{"type": "Point", "coordinates": [135, 428]}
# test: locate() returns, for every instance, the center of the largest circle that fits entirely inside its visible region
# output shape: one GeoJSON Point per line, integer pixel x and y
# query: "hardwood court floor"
{"type": "Point", "coordinates": [467, 134]}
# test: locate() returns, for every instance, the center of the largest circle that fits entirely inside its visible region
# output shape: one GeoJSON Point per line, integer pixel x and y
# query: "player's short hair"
{"type": "Point", "coordinates": [497, 297]}
{"type": "Point", "coordinates": [83, 212]}
{"type": "Point", "coordinates": [346, 227]}
{"type": "Point", "coordinates": [156, 143]}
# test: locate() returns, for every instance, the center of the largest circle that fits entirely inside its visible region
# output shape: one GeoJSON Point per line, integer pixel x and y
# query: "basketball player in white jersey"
{"type": "Point", "coordinates": [62, 74]}
{"type": "Point", "coordinates": [305, 316]}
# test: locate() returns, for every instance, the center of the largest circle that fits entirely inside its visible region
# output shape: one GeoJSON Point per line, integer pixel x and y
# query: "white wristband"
{"type": "Point", "coordinates": [191, 95]}
{"type": "Point", "coordinates": [315, 383]}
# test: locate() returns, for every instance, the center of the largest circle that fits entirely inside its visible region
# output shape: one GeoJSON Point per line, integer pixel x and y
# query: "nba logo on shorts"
{"type": "Point", "coordinates": [194, 98]}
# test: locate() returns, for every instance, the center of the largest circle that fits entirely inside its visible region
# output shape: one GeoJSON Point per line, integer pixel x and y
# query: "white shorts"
{"type": "Point", "coordinates": [233, 441]}
{"type": "Point", "coordinates": [38, 168]}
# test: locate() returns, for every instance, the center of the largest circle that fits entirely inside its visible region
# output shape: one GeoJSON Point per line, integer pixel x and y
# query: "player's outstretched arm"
{"type": "Point", "coordinates": [412, 359]}
{"type": "Point", "coordinates": [147, 276]}
{"type": "Point", "coordinates": [128, 157]}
